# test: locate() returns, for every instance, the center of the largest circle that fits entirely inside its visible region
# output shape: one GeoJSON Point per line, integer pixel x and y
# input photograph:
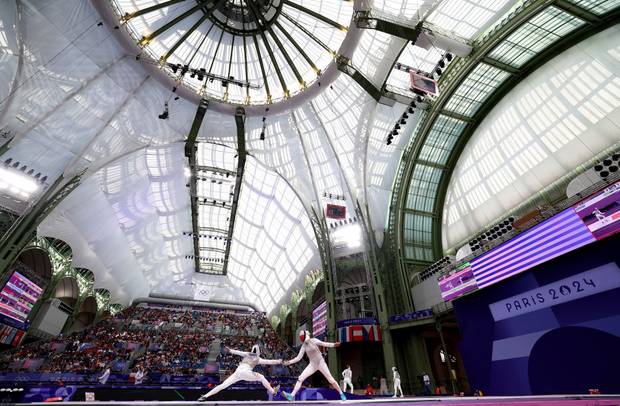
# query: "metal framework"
{"type": "Point", "coordinates": [23, 230]}
{"type": "Point", "coordinates": [369, 19]}
{"type": "Point", "coordinates": [470, 88]}
{"type": "Point", "coordinates": [241, 156]}
{"type": "Point", "coordinates": [254, 26]}
{"type": "Point", "coordinates": [190, 153]}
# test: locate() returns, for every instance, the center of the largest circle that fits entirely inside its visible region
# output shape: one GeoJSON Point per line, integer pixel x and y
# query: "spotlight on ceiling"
{"type": "Point", "coordinates": [17, 184]}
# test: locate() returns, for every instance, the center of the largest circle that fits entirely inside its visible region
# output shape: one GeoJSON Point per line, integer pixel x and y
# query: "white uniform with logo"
{"type": "Point", "coordinates": [347, 374]}
{"type": "Point", "coordinates": [310, 347]}
{"type": "Point", "coordinates": [245, 371]}
{"type": "Point", "coordinates": [397, 387]}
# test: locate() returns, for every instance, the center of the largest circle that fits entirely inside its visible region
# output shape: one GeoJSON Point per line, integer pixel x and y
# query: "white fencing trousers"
{"type": "Point", "coordinates": [345, 383]}
{"type": "Point", "coordinates": [397, 387]}
{"type": "Point", "coordinates": [310, 369]}
{"type": "Point", "coordinates": [241, 374]}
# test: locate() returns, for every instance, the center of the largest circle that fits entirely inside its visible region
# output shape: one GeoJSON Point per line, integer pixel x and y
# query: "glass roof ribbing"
{"type": "Point", "coordinates": [527, 41]}
{"type": "Point", "coordinates": [598, 7]}
{"type": "Point", "coordinates": [424, 183]}
{"type": "Point", "coordinates": [215, 183]}
{"type": "Point", "coordinates": [534, 36]}
{"type": "Point", "coordinates": [468, 97]}
{"type": "Point", "coordinates": [441, 140]}
{"type": "Point", "coordinates": [238, 51]}
{"type": "Point", "coordinates": [467, 18]}
{"type": "Point", "coordinates": [273, 242]}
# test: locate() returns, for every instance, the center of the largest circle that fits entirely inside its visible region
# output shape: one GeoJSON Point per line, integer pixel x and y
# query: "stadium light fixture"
{"type": "Point", "coordinates": [17, 184]}
{"type": "Point", "coordinates": [351, 235]}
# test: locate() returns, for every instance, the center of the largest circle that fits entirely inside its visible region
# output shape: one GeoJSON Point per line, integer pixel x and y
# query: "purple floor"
{"type": "Point", "coordinates": [556, 400]}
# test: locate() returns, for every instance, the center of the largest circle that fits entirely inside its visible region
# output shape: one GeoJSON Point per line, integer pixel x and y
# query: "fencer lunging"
{"type": "Point", "coordinates": [310, 347]}
{"type": "Point", "coordinates": [397, 383]}
{"type": "Point", "coordinates": [347, 374]}
{"type": "Point", "coordinates": [245, 372]}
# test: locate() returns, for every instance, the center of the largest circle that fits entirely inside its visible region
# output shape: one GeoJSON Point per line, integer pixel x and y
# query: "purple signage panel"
{"type": "Point", "coordinates": [584, 284]}
{"type": "Point", "coordinates": [458, 283]}
{"type": "Point", "coordinates": [601, 212]}
{"type": "Point", "coordinates": [558, 235]}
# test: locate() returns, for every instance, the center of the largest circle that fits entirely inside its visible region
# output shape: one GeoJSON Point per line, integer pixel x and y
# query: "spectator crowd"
{"type": "Point", "coordinates": [159, 341]}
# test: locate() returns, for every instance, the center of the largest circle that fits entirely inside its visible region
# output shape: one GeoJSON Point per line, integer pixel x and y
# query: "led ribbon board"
{"type": "Point", "coordinates": [592, 219]}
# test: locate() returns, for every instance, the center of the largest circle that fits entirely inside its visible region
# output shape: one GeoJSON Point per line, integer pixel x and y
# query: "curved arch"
{"type": "Point", "coordinates": [86, 273]}
{"type": "Point", "coordinates": [89, 305]}
{"type": "Point", "coordinates": [318, 295]}
{"type": "Point", "coordinates": [86, 315]}
{"type": "Point", "coordinates": [302, 311]}
{"type": "Point", "coordinates": [327, 77]}
{"type": "Point", "coordinates": [444, 130]}
{"type": "Point", "coordinates": [67, 290]}
{"type": "Point", "coordinates": [104, 295]}
{"type": "Point", "coordinates": [288, 329]}
{"type": "Point", "coordinates": [278, 328]}
{"type": "Point", "coordinates": [60, 246]}
{"type": "Point", "coordinates": [116, 308]}
{"type": "Point", "coordinates": [38, 260]}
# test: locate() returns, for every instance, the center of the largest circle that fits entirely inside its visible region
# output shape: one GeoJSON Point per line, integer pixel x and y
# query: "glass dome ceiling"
{"type": "Point", "coordinates": [238, 51]}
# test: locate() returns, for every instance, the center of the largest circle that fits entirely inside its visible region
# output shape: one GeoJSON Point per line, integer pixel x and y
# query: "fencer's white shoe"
{"type": "Point", "coordinates": [203, 398]}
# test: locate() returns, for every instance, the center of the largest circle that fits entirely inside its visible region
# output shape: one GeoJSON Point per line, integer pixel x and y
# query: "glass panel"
{"type": "Point", "coordinates": [441, 139]}
{"type": "Point", "coordinates": [534, 36]}
{"type": "Point", "coordinates": [598, 7]}
{"type": "Point", "coordinates": [423, 188]}
{"type": "Point", "coordinates": [474, 90]}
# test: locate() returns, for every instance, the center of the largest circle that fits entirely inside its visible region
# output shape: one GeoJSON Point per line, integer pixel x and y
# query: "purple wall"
{"type": "Point", "coordinates": [552, 329]}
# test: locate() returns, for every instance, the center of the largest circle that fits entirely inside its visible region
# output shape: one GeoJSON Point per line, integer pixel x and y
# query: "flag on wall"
{"type": "Point", "coordinates": [335, 211]}
{"type": "Point", "coordinates": [359, 332]}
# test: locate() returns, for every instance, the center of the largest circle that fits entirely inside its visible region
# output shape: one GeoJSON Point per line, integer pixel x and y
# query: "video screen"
{"type": "Point", "coordinates": [458, 283]}
{"type": "Point", "coordinates": [423, 84]}
{"type": "Point", "coordinates": [601, 212]}
{"type": "Point", "coordinates": [556, 236]}
{"type": "Point", "coordinates": [319, 319]}
{"type": "Point", "coordinates": [18, 297]}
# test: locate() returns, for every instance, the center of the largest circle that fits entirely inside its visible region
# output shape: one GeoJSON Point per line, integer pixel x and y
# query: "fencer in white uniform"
{"type": "Point", "coordinates": [347, 374]}
{"type": "Point", "coordinates": [310, 347]}
{"type": "Point", "coordinates": [245, 372]}
{"type": "Point", "coordinates": [397, 383]}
